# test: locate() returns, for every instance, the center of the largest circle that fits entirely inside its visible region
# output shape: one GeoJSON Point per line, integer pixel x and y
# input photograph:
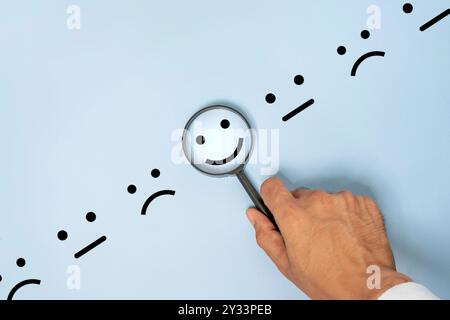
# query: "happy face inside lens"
{"type": "Point", "coordinates": [217, 140]}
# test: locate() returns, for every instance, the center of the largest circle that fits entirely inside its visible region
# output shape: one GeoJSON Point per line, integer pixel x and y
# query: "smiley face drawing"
{"type": "Point", "coordinates": [217, 140]}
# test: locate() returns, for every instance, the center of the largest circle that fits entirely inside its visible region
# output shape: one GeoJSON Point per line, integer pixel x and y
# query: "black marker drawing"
{"type": "Point", "coordinates": [230, 158]}
{"type": "Point", "coordinates": [155, 174]}
{"type": "Point", "coordinates": [364, 58]}
{"type": "Point", "coordinates": [271, 98]}
{"type": "Point", "coordinates": [89, 247]}
{"type": "Point", "coordinates": [63, 235]}
{"type": "Point", "coordinates": [435, 20]}
{"type": "Point", "coordinates": [365, 34]}
{"type": "Point", "coordinates": [20, 262]}
{"type": "Point", "coordinates": [21, 285]}
{"type": "Point", "coordinates": [153, 197]}
{"type": "Point", "coordinates": [296, 111]}
{"type": "Point", "coordinates": [408, 8]}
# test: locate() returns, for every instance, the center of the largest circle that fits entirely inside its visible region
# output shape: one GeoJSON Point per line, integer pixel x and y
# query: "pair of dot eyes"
{"type": "Point", "coordinates": [225, 124]}
{"type": "Point", "coordinates": [365, 34]}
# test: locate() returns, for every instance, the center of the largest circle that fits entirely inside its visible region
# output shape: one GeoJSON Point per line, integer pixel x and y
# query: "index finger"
{"type": "Point", "coordinates": [277, 198]}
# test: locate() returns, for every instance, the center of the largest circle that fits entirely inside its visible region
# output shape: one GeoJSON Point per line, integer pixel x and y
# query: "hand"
{"type": "Point", "coordinates": [326, 241]}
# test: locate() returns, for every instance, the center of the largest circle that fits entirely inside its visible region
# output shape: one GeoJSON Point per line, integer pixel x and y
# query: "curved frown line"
{"type": "Point", "coordinates": [20, 285]}
{"type": "Point", "coordinates": [153, 197]}
{"type": "Point", "coordinates": [365, 57]}
{"type": "Point", "coordinates": [231, 157]}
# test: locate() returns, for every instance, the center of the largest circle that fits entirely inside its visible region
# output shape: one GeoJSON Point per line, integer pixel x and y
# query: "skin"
{"type": "Point", "coordinates": [326, 241]}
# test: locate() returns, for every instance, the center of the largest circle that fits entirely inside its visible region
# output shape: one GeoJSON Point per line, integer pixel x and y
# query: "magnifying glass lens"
{"type": "Point", "coordinates": [217, 141]}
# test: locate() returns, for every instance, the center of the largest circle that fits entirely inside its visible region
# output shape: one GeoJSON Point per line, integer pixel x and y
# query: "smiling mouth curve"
{"type": "Point", "coordinates": [364, 58]}
{"type": "Point", "coordinates": [21, 285]}
{"type": "Point", "coordinates": [229, 158]}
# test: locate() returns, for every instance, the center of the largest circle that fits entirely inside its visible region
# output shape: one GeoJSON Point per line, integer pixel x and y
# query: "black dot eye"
{"type": "Point", "coordinates": [200, 140]}
{"type": "Point", "coordinates": [408, 8]}
{"type": "Point", "coordinates": [155, 173]}
{"type": "Point", "coordinates": [62, 235]}
{"type": "Point", "coordinates": [131, 189]}
{"type": "Point", "coordinates": [270, 98]}
{"type": "Point", "coordinates": [91, 216]}
{"type": "Point", "coordinates": [299, 80]}
{"type": "Point", "coordinates": [342, 50]}
{"type": "Point", "coordinates": [225, 124]}
{"type": "Point", "coordinates": [20, 262]}
{"type": "Point", "coordinates": [365, 34]}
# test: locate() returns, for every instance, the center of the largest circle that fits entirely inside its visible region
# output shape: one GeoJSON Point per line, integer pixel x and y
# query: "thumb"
{"type": "Point", "coordinates": [269, 239]}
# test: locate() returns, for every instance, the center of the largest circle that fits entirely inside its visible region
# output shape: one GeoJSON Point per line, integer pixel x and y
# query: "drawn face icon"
{"type": "Point", "coordinates": [217, 140]}
{"type": "Point", "coordinates": [63, 235]}
{"type": "Point", "coordinates": [21, 263]}
{"type": "Point", "coordinates": [271, 99]}
{"type": "Point", "coordinates": [342, 50]}
{"type": "Point", "coordinates": [132, 190]}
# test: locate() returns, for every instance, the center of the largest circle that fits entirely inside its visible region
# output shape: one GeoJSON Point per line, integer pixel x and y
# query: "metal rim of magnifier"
{"type": "Point", "coordinates": [195, 116]}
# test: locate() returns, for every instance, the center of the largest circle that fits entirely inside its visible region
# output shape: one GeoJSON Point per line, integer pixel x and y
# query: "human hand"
{"type": "Point", "coordinates": [326, 241]}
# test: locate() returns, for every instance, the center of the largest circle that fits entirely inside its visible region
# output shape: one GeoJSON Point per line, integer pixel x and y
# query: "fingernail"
{"type": "Point", "coordinates": [250, 218]}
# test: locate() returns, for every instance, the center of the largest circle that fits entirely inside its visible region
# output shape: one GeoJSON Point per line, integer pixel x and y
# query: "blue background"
{"type": "Point", "coordinates": [84, 113]}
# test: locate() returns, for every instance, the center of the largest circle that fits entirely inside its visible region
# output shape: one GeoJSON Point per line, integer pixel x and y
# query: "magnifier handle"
{"type": "Point", "coordinates": [255, 196]}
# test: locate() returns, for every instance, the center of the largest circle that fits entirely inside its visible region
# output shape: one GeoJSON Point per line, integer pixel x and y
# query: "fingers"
{"type": "Point", "coordinates": [277, 198]}
{"type": "Point", "coordinates": [269, 239]}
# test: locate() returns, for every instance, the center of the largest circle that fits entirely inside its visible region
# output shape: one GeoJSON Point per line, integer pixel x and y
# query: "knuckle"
{"type": "Point", "coordinates": [347, 196]}
{"type": "Point", "coordinates": [370, 202]}
{"type": "Point", "coordinates": [320, 196]}
{"type": "Point", "coordinates": [373, 207]}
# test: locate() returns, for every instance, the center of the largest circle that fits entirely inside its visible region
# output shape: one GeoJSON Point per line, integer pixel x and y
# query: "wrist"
{"type": "Point", "coordinates": [389, 279]}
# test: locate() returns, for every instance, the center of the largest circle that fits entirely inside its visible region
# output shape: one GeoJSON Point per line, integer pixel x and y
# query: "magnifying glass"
{"type": "Point", "coordinates": [218, 141]}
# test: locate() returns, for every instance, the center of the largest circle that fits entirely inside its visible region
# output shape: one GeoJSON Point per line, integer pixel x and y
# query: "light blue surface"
{"type": "Point", "coordinates": [85, 113]}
